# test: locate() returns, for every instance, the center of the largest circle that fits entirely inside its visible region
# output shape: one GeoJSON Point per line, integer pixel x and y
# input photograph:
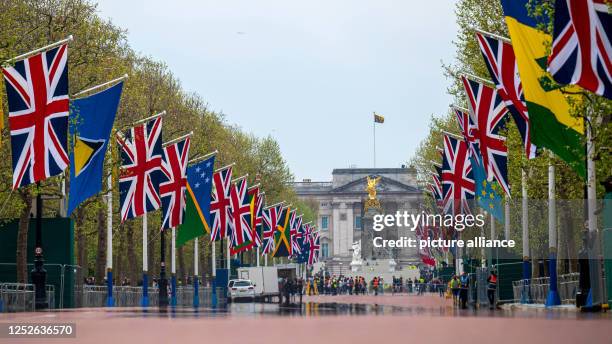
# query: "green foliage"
{"type": "Point", "coordinates": [100, 52]}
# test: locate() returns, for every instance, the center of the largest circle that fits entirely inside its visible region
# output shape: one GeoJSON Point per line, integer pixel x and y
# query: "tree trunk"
{"type": "Point", "coordinates": [132, 262]}
{"type": "Point", "coordinates": [22, 237]}
{"type": "Point", "coordinates": [101, 256]}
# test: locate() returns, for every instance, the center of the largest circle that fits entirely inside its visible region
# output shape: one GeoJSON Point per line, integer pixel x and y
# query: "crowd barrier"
{"type": "Point", "coordinates": [537, 288]}
{"type": "Point", "coordinates": [127, 296]}
{"type": "Point", "coordinates": [20, 297]}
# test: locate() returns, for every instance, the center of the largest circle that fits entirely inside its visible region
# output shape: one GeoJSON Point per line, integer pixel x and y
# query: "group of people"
{"type": "Point", "coordinates": [459, 286]}
{"type": "Point", "coordinates": [335, 285]}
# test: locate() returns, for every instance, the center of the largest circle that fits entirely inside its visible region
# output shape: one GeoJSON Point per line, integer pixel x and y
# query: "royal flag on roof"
{"type": "Point", "coordinates": [581, 50]}
{"type": "Point", "coordinates": [37, 95]}
{"type": "Point", "coordinates": [141, 159]}
{"type": "Point", "coordinates": [174, 183]}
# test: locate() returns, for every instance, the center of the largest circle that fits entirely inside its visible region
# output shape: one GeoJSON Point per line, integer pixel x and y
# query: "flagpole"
{"type": "Point", "coordinates": [266, 260]}
{"type": "Point", "coordinates": [507, 219]}
{"type": "Point", "coordinates": [109, 239]}
{"type": "Point", "coordinates": [203, 157]}
{"type": "Point", "coordinates": [149, 118]}
{"type": "Point", "coordinates": [35, 51]}
{"type": "Point", "coordinates": [257, 256]}
{"type": "Point", "coordinates": [196, 258]}
{"type": "Point", "coordinates": [595, 296]}
{"type": "Point", "coordinates": [214, 273]}
{"type": "Point", "coordinates": [121, 78]}
{"type": "Point", "coordinates": [162, 284]}
{"type": "Point", "coordinates": [374, 130]}
{"type": "Point", "coordinates": [552, 299]}
{"type": "Point", "coordinates": [145, 263]}
{"type": "Point", "coordinates": [507, 40]}
{"type": "Point", "coordinates": [228, 263]}
{"type": "Point", "coordinates": [525, 297]}
{"type": "Point", "coordinates": [165, 144]}
{"type": "Point", "coordinates": [173, 268]}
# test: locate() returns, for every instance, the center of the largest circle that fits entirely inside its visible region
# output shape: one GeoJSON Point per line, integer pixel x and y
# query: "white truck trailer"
{"type": "Point", "coordinates": [265, 279]}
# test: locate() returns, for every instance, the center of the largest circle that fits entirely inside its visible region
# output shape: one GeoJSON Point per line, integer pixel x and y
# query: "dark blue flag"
{"type": "Point", "coordinates": [90, 122]}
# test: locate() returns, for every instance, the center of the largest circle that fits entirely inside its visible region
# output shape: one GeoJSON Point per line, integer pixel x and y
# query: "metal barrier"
{"type": "Point", "coordinates": [538, 288]}
{"type": "Point", "coordinates": [127, 296]}
{"type": "Point", "coordinates": [20, 297]}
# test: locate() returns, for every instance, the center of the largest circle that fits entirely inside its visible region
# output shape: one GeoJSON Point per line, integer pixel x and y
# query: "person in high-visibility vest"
{"type": "Point", "coordinates": [492, 280]}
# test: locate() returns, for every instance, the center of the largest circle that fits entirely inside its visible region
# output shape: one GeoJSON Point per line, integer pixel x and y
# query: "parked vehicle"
{"type": "Point", "coordinates": [240, 289]}
{"type": "Point", "coordinates": [264, 278]}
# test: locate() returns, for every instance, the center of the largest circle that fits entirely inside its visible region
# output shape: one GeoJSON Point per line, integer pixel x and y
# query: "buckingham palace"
{"type": "Point", "coordinates": [341, 210]}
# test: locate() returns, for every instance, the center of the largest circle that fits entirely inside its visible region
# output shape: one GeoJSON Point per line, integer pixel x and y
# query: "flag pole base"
{"type": "Point", "coordinates": [145, 290]}
{"type": "Point", "coordinates": [173, 286]}
{"type": "Point", "coordinates": [110, 302]}
{"type": "Point", "coordinates": [553, 299]}
{"type": "Point", "coordinates": [213, 300]}
{"type": "Point", "coordinates": [196, 289]}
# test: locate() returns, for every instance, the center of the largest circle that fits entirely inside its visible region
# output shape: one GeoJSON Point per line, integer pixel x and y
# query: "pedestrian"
{"type": "Point", "coordinates": [454, 284]}
{"type": "Point", "coordinates": [492, 280]}
{"type": "Point", "coordinates": [463, 292]}
{"type": "Point", "coordinates": [375, 286]}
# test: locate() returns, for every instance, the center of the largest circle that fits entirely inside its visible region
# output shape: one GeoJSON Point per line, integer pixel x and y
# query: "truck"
{"type": "Point", "coordinates": [264, 279]}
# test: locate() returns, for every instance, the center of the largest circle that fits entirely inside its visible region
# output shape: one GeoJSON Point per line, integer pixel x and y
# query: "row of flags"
{"type": "Point", "coordinates": [527, 84]}
{"type": "Point", "coordinates": [192, 195]}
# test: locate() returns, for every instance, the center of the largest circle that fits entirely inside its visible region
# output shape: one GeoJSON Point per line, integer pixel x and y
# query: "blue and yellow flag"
{"type": "Point", "coordinates": [90, 121]}
{"type": "Point", "coordinates": [552, 124]}
{"type": "Point", "coordinates": [197, 205]}
{"type": "Point", "coordinates": [487, 197]}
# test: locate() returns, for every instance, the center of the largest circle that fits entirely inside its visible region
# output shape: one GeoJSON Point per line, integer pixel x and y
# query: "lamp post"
{"type": "Point", "coordinates": [39, 274]}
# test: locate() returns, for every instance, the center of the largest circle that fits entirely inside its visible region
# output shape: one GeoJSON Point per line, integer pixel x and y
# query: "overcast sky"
{"type": "Point", "coordinates": [307, 72]}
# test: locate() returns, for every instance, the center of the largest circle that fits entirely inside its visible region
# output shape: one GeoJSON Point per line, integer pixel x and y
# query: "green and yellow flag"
{"type": "Point", "coordinates": [552, 125]}
{"type": "Point", "coordinates": [197, 201]}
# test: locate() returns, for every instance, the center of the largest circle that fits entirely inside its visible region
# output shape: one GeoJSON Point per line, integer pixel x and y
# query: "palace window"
{"type": "Point", "coordinates": [342, 217]}
{"type": "Point", "coordinates": [357, 222]}
{"type": "Point", "coordinates": [324, 223]}
{"type": "Point", "coordinates": [325, 250]}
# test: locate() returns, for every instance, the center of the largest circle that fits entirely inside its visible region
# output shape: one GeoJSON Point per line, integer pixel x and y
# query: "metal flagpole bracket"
{"type": "Point", "coordinates": [121, 78]}
{"type": "Point", "coordinates": [254, 186]}
{"type": "Point", "coordinates": [492, 35]}
{"type": "Point", "coordinates": [178, 139]}
{"type": "Point", "coordinates": [452, 135]}
{"type": "Point", "coordinates": [149, 118]}
{"type": "Point", "coordinates": [435, 163]}
{"type": "Point", "coordinates": [478, 79]}
{"type": "Point", "coordinates": [456, 107]}
{"type": "Point", "coordinates": [36, 51]}
{"type": "Point", "coordinates": [274, 205]}
{"type": "Point", "coordinates": [240, 178]}
{"type": "Point", "coordinates": [203, 157]}
{"type": "Point", "coordinates": [225, 167]}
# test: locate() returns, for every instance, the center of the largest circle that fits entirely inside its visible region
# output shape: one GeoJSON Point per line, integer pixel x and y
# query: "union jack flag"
{"type": "Point", "coordinates": [220, 208]}
{"type": "Point", "coordinates": [241, 232]}
{"type": "Point", "coordinates": [141, 159]}
{"type": "Point", "coordinates": [489, 114]}
{"type": "Point", "coordinates": [270, 223]}
{"type": "Point", "coordinates": [37, 95]}
{"type": "Point", "coordinates": [174, 183]}
{"type": "Point", "coordinates": [256, 201]}
{"type": "Point", "coordinates": [314, 248]}
{"type": "Point", "coordinates": [296, 234]}
{"type": "Point", "coordinates": [457, 180]}
{"type": "Point", "coordinates": [501, 62]}
{"type": "Point", "coordinates": [307, 231]}
{"type": "Point", "coordinates": [581, 50]}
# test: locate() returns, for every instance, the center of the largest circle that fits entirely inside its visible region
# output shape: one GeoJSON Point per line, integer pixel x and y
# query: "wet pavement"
{"type": "Point", "coordinates": [323, 319]}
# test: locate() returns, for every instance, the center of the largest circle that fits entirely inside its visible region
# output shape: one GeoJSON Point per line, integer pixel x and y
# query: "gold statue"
{"type": "Point", "coordinates": [372, 201]}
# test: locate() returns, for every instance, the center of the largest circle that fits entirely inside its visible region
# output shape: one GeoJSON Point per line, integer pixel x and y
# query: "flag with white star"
{"type": "Point", "coordinates": [197, 212]}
